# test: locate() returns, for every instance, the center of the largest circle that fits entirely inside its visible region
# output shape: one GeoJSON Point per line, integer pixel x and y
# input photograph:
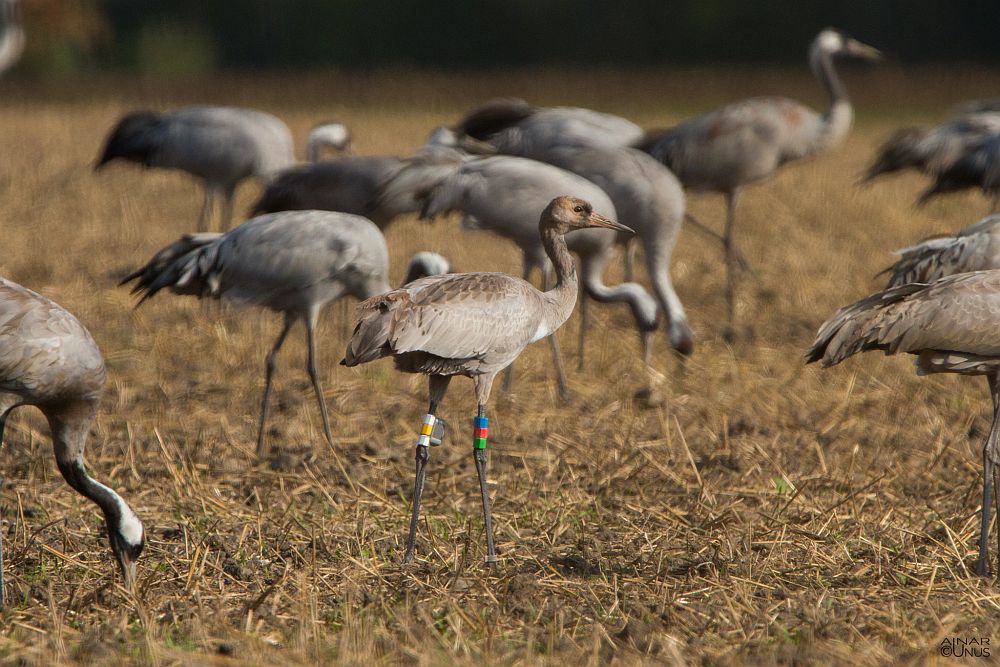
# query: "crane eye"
{"type": "Point", "coordinates": [578, 209]}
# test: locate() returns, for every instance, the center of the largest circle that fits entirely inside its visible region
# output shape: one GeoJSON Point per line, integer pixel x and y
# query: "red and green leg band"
{"type": "Point", "coordinates": [480, 432]}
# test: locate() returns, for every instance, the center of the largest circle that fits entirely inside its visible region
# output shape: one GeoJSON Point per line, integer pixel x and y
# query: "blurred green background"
{"type": "Point", "coordinates": [202, 36]}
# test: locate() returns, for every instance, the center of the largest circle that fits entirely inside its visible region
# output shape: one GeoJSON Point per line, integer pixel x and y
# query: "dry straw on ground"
{"type": "Point", "coordinates": [762, 512]}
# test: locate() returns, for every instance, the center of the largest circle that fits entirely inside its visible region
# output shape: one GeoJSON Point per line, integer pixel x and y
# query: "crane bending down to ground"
{"type": "Point", "coordinates": [471, 324]}
{"type": "Point", "coordinates": [221, 146]}
{"type": "Point", "coordinates": [951, 325]}
{"type": "Point", "coordinates": [49, 360]}
{"type": "Point", "coordinates": [354, 184]}
{"type": "Point", "coordinates": [649, 199]}
{"type": "Point", "coordinates": [749, 140]}
{"type": "Point", "coordinates": [514, 127]}
{"type": "Point", "coordinates": [946, 152]}
{"type": "Point", "coordinates": [424, 264]}
{"type": "Point", "coordinates": [504, 194]}
{"type": "Point", "coordinates": [293, 263]}
{"type": "Point", "coordinates": [975, 248]}
{"type": "Point", "coordinates": [979, 168]}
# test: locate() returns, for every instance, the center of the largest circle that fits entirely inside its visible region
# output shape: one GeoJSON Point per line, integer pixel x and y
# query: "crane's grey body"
{"type": "Point", "coordinates": [952, 326]}
{"type": "Point", "coordinates": [516, 128]}
{"type": "Point", "coordinates": [649, 199]}
{"type": "Point", "coordinates": [975, 248]}
{"type": "Point", "coordinates": [355, 184]}
{"type": "Point", "coordinates": [471, 324]}
{"type": "Point", "coordinates": [955, 153]}
{"type": "Point", "coordinates": [347, 184]}
{"type": "Point", "coordinates": [221, 146]}
{"type": "Point", "coordinates": [294, 262]}
{"type": "Point", "coordinates": [48, 359]}
{"type": "Point", "coordinates": [746, 141]}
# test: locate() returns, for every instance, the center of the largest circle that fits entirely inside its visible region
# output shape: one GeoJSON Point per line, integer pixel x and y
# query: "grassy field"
{"type": "Point", "coordinates": [762, 511]}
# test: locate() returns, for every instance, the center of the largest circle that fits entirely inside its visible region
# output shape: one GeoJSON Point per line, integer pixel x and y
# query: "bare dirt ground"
{"type": "Point", "coordinates": [761, 511]}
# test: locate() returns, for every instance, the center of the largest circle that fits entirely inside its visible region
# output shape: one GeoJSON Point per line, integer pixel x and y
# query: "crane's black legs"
{"type": "Point", "coordinates": [991, 476]}
{"type": "Point", "coordinates": [428, 436]}
{"type": "Point", "coordinates": [272, 362]}
{"type": "Point", "coordinates": [206, 209]}
{"type": "Point", "coordinates": [227, 208]}
{"type": "Point", "coordinates": [480, 435]}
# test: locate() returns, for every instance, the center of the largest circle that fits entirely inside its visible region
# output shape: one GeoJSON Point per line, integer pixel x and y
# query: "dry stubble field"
{"type": "Point", "coordinates": [763, 512]}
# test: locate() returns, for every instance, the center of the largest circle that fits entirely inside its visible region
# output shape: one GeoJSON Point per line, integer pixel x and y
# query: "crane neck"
{"type": "Point", "coordinates": [562, 298]}
{"type": "Point", "coordinates": [70, 426]}
{"type": "Point", "coordinates": [839, 115]}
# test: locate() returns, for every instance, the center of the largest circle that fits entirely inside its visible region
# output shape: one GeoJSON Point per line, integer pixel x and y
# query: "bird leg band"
{"type": "Point", "coordinates": [432, 431]}
{"type": "Point", "coordinates": [481, 427]}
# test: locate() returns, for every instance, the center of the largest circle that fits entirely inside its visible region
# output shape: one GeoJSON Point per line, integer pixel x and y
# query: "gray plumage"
{"type": "Point", "coordinates": [951, 326]}
{"type": "Point", "coordinates": [355, 184]}
{"type": "Point", "coordinates": [49, 360]}
{"type": "Point", "coordinates": [749, 140]}
{"type": "Point", "coordinates": [424, 264]}
{"type": "Point", "coordinates": [978, 167]}
{"type": "Point", "coordinates": [294, 262]}
{"type": "Point", "coordinates": [937, 150]}
{"type": "Point", "coordinates": [516, 128]}
{"type": "Point", "coordinates": [221, 146]}
{"type": "Point", "coordinates": [975, 248]}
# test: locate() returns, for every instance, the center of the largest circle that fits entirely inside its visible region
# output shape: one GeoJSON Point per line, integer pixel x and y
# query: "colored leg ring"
{"type": "Point", "coordinates": [424, 440]}
{"type": "Point", "coordinates": [480, 432]}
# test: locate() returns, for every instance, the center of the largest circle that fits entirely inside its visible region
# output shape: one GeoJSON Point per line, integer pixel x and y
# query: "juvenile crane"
{"type": "Point", "coordinates": [293, 263]}
{"type": "Point", "coordinates": [951, 325]}
{"type": "Point", "coordinates": [221, 146]}
{"type": "Point", "coordinates": [749, 140]}
{"type": "Point", "coordinates": [975, 248]}
{"type": "Point", "coordinates": [471, 324]}
{"type": "Point", "coordinates": [49, 360]}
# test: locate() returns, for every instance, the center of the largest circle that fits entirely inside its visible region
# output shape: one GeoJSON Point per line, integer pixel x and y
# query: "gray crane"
{"type": "Point", "coordinates": [749, 140]}
{"type": "Point", "coordinates": [475, 325]}
{"type": "Point", "coordinates": [504, 194]}
{"type": "Point", "coordinates": [327, 136]}
{"type": "Point", "coordinates": [49, 360]}
{"type": "Point", "coordinates": [515, 127]}
{"type": "Point", "coordinates": [951, 326]}
{"type": "Point", "coordinates": [648, 197]}
{"type": "Point", "coordinates": [354, 184]}
{"type": "Point", "coordinates": [950, 152]}
{"type": "Point", "coordinates": [979, 168]}
{"type": "Point", "coordinates": [975, 248]}
{"type": "Point", "coordinates": [221, 146]}
{"type": "Point", "coordinates": [294, 262]}
{"type": "Point", "coordinates": [12, 39]}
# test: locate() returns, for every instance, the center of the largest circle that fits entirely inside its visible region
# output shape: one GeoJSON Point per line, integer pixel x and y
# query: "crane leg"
{"type": "Point", "coordinates": [480, 434]}
{"type": "Point", "coordinates": [272, 362]}
{"type": "Point", "coordinates": [732, 263]}
{"type": "Point", "coordinates": [314, 374]}
{"type": "Point", "coordinates": [554, 344]}
{"type": "Point", "coordinates": [584, 323]}
{"type": "Point", "coordinates": [990, 478]}
{"type": "Point", "coordinates": [227, 208]}
{"type": "Point", "coordinates": [206, 209]}
{"type": "Point", "coordinates": [438, 386]}
{"type": "Point", "coordinates": [630, 247]}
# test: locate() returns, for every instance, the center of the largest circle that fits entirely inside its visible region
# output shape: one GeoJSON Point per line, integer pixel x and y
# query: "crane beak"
{"type": "Point", "coordinates": [598, 220]}
{"type": "Point", "coordinates": [128, 572]}
{"type": "Point", "coordinates": [861, 50]}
